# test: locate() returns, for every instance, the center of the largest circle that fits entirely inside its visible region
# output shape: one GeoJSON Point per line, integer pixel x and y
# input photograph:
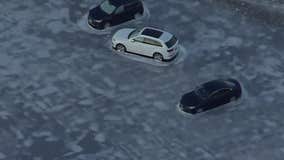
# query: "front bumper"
{"type": "Point", "coordinates": [186, 109]}
{"type": "Point", "coordinates": [94, 24]}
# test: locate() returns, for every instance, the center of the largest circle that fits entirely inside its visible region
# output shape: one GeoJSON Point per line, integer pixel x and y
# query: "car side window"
{"type": "Point", "coordinates": [220, 93]}
{"type": "Point", "coordinates": [130, 6]}
{"type": "Point", "coordinates": [119, 10]}
{"type": "Point", "coordinates": [152, 42]}
{"type": "Point", "coordinates": [139, 39]}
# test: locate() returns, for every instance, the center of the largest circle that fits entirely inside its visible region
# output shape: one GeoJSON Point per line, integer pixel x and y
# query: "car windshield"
{"type": "Point", "coordinates": [201, 92]}
{"type": "Point", "coordinates": [134, 33]}
{"type": "Point", "coordinates": [107, 7]}
{"type": "Point", "coordinates": [229, 83]}
{"type": "Point", "coordinates": [171, 42]}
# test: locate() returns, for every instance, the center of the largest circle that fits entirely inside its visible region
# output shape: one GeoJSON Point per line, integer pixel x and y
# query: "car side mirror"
{"type": "Point", "coordinates": [132, 40]}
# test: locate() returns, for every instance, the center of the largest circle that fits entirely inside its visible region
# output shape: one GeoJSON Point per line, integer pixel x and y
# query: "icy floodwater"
{"type": "Point", "coordinates": [66, 95]}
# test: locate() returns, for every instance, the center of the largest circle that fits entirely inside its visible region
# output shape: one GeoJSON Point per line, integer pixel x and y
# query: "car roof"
{"type": "Point", "coordinates": [151, 32]}
{"type": "Point", "coordinates": [215, 85]}
{"type": "Point", "coordinates": [121, 2]}
{"type": "Point", "coordinates": [156, 33]}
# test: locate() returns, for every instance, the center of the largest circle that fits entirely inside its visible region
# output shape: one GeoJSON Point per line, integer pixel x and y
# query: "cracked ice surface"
{"type": "Point", "coordinates": [65, 95]}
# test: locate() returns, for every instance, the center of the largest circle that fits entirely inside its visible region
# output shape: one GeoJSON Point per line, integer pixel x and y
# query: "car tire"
{"type": "Point", "coordinates": [120, 48]}
{"type": "Point", "coordinates": [158, 57]}
{"type": "Point", "coordinates": [199, 110]}
{"type": "Point", "coordinates": [138, 15]}
{"type": "Point", "coordinates": [106, 25]}
{"type": "Point", "coordinates": [233, 99]}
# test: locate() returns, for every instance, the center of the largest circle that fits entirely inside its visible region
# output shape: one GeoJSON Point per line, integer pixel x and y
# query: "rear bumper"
{"type": "Point", "coordinates": [171, 58]}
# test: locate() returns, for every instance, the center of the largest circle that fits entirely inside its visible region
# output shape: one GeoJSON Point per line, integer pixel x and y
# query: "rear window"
{"type": "Point", "coordinates": [171, 42]}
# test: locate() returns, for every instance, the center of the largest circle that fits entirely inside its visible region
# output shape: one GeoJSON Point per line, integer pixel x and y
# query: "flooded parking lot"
{"type": "Point", "coordinates": [65, 94]}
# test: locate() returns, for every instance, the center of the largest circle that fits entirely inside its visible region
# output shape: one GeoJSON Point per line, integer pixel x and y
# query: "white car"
{"type": "Point", "coordinates": [148, 41]}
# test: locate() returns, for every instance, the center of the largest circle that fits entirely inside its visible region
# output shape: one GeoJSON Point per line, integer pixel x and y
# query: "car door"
{"type": "Point", "coordinates": [219, 97]}
{"type": "Point", "coordinates": [136, 45]}
{"type": "Point", "coordinates": [151, 46]}
{"type": "Point", "coordinates": [119, 15]}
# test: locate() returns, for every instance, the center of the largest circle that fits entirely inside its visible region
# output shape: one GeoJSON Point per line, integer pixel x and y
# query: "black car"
{"type": "Point", "coordinates": [210, 95]}
{"type": "Point", "coordinates": [114, 12]}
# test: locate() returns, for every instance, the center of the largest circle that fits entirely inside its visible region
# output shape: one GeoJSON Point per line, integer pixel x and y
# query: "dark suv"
{"type": "Point", "coordinates": [114, 12]}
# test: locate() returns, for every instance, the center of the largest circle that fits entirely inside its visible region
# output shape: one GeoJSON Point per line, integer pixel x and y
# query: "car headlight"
{"type": "Point", "coordinates": [98, 21]}
{"type": "Point", "coordinates": [191, 107]}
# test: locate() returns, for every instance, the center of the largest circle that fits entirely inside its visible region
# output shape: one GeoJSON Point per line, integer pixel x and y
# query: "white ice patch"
{"type": "Point", "coordinates": [4, 59]}
{"type": "Point", "coordinates": [2, 155]}
{"type": "Point", "coordinates": [28, 142]}
{"type": "Point", "coordinates": [233, 42]}
{"type": "Point", "coordinates": [160, 105]}
{"type": "Point", "coordinates": [75, 148]}
{"type": "Point", "coordinates": [4, 115]}
{"type": "Point", "coordinates": [86, 102]}
{"type": "Point", "coordinates": [109, 82]}
{"type": "Point", "coordinates": [48, 90]}
{"type": "Point", "coordinates": [56, 26]}
{"type": "Point", "coordinates": [100, 138]}
{"type": "Point", "coordinates": [112, 118]}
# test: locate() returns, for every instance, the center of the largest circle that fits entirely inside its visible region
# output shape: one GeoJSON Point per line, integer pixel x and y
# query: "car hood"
{"type": "Point", "coordinates": [190, 99]}
{"type": "Point", "coordinates": [123, 33]}
{"type": "Point", "coordinates": [97, 14]}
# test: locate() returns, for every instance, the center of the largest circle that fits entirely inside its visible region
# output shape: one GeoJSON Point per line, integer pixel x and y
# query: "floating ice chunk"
{"type": "Point", "coordinates": [43, 54]}
{"type": "Point", "coordinates": [100, 138]}
{"type": "Point", "coordinates": [270, 123]}
{"type": "Point", "coordinates": [28, 142]}
{"type": "Point", "coordinates": [2, 155]}
{"type": "Point", "coordinates": [4, 59]}
{"type": "Point", "coordinates": [160, 105]}
{"type": "Point", "coordinates": [109, 82]}
{"type": "Point", "coordinates": [107, 93]}
{"type": "Point", "coordinates": [98, 66]}
{"type": "Point", "coordinates": [47, 90]}
{"type": "Point", "coordinates": [147, 128]}
{"type": "Point", "coordinates": [233, 41]}
{"type": "Point", "coordinates": [56, 26]}
{"type": "Point", "coordinates": [42, 134]}
{"type": "Point", "coordinates": [75, 148]}
{"type": "Point", "coordinates": [17, 132]}
{"type": "Point", "coordinates": [86, 102]}
{"type": "Point", "coordinates": [4, 115]}
{"type": "Point", "coordinates": [112, 118]}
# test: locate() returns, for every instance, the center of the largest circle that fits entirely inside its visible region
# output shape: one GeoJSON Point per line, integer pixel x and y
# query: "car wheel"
{"type": "Point", "coordinates": [199, 110]}
{"type": "Point", "coordinates": [106, 25]}
{"type": "Point", "coordinates": [120, 48]}
{"type": "Point", "coordinates": [138, 15]}
{"type": "Point", "coordinates": [158, 57]}
{"type": "Point", "coordinates": [233, 99]}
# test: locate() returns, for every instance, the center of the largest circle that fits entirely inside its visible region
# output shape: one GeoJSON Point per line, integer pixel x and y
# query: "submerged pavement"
{"type": "Point", "coordinates": [65, 95]}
